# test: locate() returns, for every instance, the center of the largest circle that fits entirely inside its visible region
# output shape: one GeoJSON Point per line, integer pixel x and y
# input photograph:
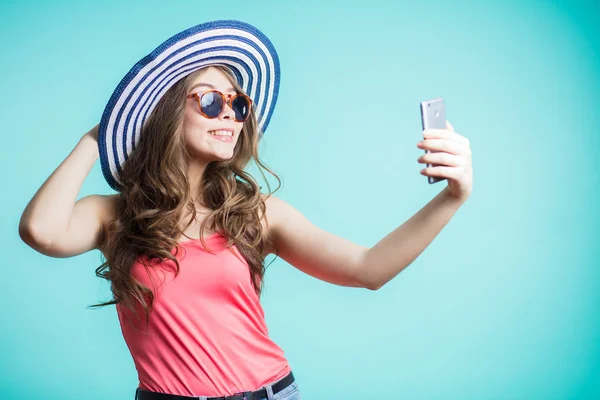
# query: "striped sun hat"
{"type": "Point", "coordinates": [244, 49]}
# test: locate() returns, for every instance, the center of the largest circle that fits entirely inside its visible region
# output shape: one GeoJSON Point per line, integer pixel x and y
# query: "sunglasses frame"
{"type": "Point", "coordinates": [226, 99]}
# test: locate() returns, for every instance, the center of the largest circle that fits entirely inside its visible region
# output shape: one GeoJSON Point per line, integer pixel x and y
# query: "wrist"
{"type": "Point", "coordinates": [91, 143]}
{"type": "Point", "coordinates": [451, 200]}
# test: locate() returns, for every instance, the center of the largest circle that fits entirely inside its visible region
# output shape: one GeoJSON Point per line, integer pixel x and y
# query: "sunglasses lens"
{"type": "Point", "coordinates": [241, 107]}
{"type": "Point", "coordinates": [211, 104]}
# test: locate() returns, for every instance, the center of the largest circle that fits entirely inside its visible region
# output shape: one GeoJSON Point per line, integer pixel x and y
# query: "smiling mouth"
{"type": "Point", "coordinates": [222, 135]}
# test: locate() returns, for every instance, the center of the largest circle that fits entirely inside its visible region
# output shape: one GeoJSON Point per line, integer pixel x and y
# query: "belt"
{"type": "Point", "coordinates": [142, 394]}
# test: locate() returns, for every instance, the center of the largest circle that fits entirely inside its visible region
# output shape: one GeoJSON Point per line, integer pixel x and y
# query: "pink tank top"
{"type": "Point", "coordinates": [207, 334]}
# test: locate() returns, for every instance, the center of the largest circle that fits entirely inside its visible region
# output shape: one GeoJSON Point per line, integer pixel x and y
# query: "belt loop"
{"type": "Point", "coordinates": [270, 395]}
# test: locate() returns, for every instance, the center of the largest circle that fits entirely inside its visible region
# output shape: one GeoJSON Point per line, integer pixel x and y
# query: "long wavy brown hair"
{"type": "Point", "coordinates": [155, 198]}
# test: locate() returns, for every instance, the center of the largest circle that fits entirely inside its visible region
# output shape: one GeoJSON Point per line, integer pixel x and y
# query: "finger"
{"type": "Point", "coordinates": [448, 135]}
{"type": "Point", "coordinates": [442, 172]}
{"type": "Point", "coordinates": [442, 134]}
{"type": "Point", "coordinates": [441, 158]}
{"type": "Point", "coordinates": [445, 145]}
{"type": "Point", "coordinates": [445, 134]}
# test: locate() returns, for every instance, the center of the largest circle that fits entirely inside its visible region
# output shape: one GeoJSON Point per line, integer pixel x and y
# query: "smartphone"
{"type": "Point", "coordinates": [433, 116]}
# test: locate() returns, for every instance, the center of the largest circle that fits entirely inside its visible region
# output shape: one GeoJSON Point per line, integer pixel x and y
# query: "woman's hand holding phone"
{"type": "Point", "coordinates": [447, 153]}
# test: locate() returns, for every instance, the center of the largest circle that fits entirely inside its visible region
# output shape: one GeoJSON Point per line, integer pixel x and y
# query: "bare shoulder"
{"type": "Point", "coordinates": [273, 205]}
{"type": "Point", "coordinates": [284, 221]}
{"type": "Point", "coordinates": [274, 211]}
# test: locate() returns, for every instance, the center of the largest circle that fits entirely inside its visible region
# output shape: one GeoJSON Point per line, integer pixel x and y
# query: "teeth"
{"type": "Point", "coordinates": [221, 133]}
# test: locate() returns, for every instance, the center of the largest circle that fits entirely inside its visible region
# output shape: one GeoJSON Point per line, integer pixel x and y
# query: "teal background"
{"type": "Point", "coordinates": [502, 305]}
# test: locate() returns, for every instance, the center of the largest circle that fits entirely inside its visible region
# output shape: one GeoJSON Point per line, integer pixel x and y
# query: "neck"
{"type": "Point", "coordinates": [195, 172]}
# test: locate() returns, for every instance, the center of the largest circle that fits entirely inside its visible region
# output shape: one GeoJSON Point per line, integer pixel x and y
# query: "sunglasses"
{"type": "Point", "coordinates": [212, 103]}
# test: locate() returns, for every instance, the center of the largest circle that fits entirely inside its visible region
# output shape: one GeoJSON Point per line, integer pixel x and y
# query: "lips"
{"type": "Point", "coordinates": [224, 135]}
{"type": "Point", "coordinates": [231, 130]}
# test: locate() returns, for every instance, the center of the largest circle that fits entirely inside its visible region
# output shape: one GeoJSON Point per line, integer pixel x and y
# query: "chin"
{"type": "Point", "coordinates": [223, 158]}
{"type": "Point", "coordinates": [212, 157]}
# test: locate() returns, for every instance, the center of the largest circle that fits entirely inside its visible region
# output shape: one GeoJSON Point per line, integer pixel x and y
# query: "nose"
{"type": "Point", "coordinates": [228, 112]}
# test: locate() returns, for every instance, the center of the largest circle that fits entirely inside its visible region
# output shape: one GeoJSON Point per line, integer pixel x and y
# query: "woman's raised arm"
{"type": "Point", "coordinates": [53, 223]}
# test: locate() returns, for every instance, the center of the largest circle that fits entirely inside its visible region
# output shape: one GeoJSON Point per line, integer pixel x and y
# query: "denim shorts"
{"type": "Point", "coordinates": [291, 392]}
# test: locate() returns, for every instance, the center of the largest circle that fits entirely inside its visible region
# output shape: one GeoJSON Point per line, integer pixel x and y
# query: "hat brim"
{"type": "Point", "coordinates": [244, 49]}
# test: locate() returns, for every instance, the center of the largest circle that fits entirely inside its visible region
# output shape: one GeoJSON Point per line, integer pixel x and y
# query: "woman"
{"type": "Point", "coordinates": [186, 236]}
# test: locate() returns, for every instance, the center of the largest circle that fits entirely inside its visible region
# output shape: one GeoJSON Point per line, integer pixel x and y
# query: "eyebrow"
{"type": "Point", "coordinates": [230, 89]}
